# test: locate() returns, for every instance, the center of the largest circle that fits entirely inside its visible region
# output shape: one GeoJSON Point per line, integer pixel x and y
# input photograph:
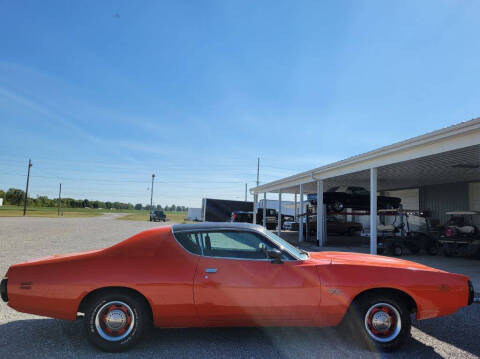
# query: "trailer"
{"type": "Point", "coordinates": [194, 214]}
{"type": "Point", "coordinates": [220, 210]}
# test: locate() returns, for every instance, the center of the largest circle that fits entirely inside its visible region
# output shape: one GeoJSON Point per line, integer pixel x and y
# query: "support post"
{"type": "Point", "coordinates": [265, 209]}
{"type": "Point", "coordinates": [255, 207]}
{"type": "Point", "coordinates": [279, 226]}
{"type": "Point", "coordinates": [320, 213]}
{"type": "Point", "coordinates": [300, 222]}
{"type": "Point", "coordinates": [373, 211]}
{"type": "Point", "coordinates": [295, 210]}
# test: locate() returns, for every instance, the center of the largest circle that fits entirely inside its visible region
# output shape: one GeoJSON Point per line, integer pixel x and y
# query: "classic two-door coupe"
{"type": "Point", "coordinates": [231, 274]}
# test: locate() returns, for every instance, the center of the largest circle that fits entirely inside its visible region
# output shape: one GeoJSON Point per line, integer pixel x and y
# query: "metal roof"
{"type": "Point", "coordinates": [451, 154]}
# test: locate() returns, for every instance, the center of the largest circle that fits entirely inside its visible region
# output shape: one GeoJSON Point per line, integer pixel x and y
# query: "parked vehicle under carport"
{"type": "Point", "coordinates": [460, 236]}
{"type": "Point", "coordinates": [340, 197]}
{"type": "Point", "coordinates": [398, 238]}
{"type": "Point", "coordinates": [334, 225]}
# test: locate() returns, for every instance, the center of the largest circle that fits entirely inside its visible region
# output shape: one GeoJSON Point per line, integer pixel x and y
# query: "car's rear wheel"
{"type": "Point", "coordinates": [115, 321]}
{"type": "Point", "coordinates": [380, 322]}
{"type": "Point", "coordinates": [337, 206]}
{"type": "Point", "coordinates": [432, 248]}
{"type": "Point", "coordinates": [397, 250]}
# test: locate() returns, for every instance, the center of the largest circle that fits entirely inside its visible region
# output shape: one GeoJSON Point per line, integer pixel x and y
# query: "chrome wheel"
{"type": "Point", "coordinates": [114, 321]}
{"type": "Point", "coordinates": [383, 322]}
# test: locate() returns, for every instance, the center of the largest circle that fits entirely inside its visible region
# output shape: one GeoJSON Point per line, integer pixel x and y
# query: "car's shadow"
{"type": "Point", "coordinates": [49, 338]}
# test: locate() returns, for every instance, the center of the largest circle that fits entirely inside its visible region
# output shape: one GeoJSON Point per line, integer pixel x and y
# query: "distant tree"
{"type": "Point", "coordinates": [85, 203]}
{"type": "Point", "coordinates": [42, 201]}
{"type": "Point", "coordinates": [159, 207]}
{"type": "Point", "coordinates": [14, 196]}
{"type": "Point", "coordinates": [138, 206]}
{"type": "Point", "coordinates": [2, 194]}
{"type": "Point", "coordinates": [108, 205]}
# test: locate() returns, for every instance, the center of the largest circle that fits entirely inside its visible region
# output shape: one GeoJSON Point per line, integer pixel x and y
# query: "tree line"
{"type": "Point", "coordinates": [16, 197]}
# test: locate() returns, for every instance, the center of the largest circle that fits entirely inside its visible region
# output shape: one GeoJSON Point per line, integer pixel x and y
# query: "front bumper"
{"type": "Point", "coordinates": [3, 289]}
{"type": "Point", "coordinates": [472, 296]}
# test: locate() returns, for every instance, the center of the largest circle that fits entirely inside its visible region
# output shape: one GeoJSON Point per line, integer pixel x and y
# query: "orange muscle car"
{"type": "Point", "coordinates": [230, 274]}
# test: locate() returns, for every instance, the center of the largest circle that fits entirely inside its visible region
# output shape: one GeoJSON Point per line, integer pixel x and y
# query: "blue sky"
{"type": "Point", "coordinates": [101, 94]}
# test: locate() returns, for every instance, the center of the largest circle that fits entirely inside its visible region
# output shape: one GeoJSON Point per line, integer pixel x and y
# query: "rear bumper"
{"type": "Point", "coordinates": [3, 289]}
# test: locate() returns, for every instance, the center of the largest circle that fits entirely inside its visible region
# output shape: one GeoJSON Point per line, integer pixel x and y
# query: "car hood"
{"type": "Point", "coordinates": [361, 259]}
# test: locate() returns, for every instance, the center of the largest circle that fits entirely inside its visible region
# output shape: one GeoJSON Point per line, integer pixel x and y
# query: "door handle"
{"type": "Point", "coordinates": [211, 270]}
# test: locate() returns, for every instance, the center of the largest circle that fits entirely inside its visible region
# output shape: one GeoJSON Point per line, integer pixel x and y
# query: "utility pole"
{"type": "Point", "coordinates": [59, 199]}
{"type": "Point", "coordinates": [258, 169]}
{"type": "Point", "coordinates": [151, 194]}
{"type": "Point", "coordinates": [245, 192]}
{"type": "Point", "coordinates": [26, 190]}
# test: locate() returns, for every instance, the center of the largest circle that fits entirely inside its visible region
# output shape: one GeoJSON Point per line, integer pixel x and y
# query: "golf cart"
{"type": "Point", "coordinates": [398, 238]}
{"type": "Point", "coordinates": [460, 236]}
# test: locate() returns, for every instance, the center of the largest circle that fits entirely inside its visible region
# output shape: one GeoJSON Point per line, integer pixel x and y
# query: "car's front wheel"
{"type": "Point", "coordinates": [115, 321]}
{"type": "Point", "coordinates": [381, 322]}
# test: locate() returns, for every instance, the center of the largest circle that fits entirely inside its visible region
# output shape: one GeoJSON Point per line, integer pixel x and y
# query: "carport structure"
{"type": "Point", "coordinates": [449, 156]}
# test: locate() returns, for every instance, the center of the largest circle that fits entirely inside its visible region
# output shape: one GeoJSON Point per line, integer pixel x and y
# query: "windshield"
{"type": "Point", "coordinates": [297, 252]}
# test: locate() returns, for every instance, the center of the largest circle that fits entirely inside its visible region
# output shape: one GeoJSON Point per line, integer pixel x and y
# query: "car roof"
{"type": "Point", "coordinates": [214, 225]}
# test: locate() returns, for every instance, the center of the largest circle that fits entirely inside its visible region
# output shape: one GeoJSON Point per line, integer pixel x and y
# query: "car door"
{"type": "Point", "coordinates": [235, 282]}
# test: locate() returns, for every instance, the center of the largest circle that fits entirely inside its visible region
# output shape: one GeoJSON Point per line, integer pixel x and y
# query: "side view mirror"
{"type": "Point", "coordinates": [275, 254]}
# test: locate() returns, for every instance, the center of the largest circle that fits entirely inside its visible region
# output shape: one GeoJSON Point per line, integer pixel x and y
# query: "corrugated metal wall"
{"type": "Point", "coordinates": [442, 198]}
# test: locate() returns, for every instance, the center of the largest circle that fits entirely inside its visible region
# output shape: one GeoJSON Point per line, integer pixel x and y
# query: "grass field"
{"type": "Point", "coordinates": [134, 215]}
{"type": "Point", "coordinates": [172, 217]}
{"type": "Point", "coordinates": [17, 211]}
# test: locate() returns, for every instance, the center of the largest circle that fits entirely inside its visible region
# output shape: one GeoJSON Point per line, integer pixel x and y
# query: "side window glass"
{"type": "Point", "coordinates": [189, 241]}
{"type": "Point", "coordinates": [235, 244]}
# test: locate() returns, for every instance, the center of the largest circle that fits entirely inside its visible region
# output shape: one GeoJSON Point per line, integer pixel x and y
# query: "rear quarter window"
{"type": "Point", "coordinates": [189, 241]}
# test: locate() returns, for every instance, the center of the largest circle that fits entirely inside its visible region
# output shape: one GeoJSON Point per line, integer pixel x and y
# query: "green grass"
{"type": "Point", "coordinates": [17, 211]}
{"type": "Point", "coordinates": [131, 214]}
{"type": "Point", "coordinates": [172, 217]}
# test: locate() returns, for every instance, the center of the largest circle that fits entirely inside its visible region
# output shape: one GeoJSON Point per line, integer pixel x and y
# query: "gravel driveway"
{"type": "Point", "coordinates": [24, 335]}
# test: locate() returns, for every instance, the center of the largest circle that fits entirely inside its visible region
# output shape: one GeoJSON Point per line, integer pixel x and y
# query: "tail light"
{"type": "Point", "coordinates": [234, 216]}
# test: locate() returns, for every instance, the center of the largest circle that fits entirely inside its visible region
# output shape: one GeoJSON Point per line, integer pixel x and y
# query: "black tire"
{"type": "Point", "coordinates": [360, 322]}
{"type": "Point", "coordinates": [337, 206]}
{"type": "Point", "coordinates": [135, 319]}
{"type": "Point", "coordinates": [397, 250]}
{"type": "Point", "coordinates": [432, 249]}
